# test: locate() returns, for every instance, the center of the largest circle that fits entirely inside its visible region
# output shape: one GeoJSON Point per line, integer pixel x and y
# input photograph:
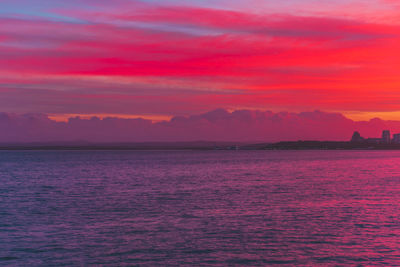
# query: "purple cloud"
{"type": "Point", "coordinates": [217, 125]}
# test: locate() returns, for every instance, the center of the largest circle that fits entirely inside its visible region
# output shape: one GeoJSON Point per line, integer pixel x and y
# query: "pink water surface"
{"type": "Point", "coordinates": [290, 208]}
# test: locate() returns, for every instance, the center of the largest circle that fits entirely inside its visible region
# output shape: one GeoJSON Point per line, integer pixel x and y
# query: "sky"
{"type": "Point", "coordinates": [161, 59]}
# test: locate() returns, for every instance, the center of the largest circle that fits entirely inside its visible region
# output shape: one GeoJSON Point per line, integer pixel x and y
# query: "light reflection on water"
{"type": "Point", "coordinates": [200, 208]}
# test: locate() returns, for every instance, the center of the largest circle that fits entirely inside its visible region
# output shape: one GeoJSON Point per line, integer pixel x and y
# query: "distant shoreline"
{"type": "Point", "coordinates": [201, 146]}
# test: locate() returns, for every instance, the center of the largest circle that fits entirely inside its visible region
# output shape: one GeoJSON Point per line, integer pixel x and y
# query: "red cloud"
{"type": "Point", "coordinates": [185, 60]}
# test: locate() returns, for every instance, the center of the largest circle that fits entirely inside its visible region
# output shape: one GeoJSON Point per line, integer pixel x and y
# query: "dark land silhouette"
{"type": "Point", "coordinates": [385, 142]}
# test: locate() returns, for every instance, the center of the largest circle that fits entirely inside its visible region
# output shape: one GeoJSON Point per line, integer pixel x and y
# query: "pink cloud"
{"type": "Point", "coordinates": [217, 125]}
{"type": "Point", "coordinates": [237, 60]}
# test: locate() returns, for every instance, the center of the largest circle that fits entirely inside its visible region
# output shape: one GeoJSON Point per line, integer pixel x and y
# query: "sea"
{"type": "Point", "coordinates": [200, 208]}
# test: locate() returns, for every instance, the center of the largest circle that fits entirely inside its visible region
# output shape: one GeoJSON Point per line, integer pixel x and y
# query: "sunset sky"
{"type": "Point", "coordinates": [158, 59]}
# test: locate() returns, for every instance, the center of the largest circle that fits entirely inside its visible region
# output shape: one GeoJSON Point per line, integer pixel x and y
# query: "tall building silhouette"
{"type": "Point", "coordinates": [396, 139]}
{"type": "Point", "coordinates": [386, 137]}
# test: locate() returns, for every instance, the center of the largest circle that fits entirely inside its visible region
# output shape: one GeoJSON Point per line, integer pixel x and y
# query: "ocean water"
{"type": "Point", "coordinates": [200, 208]}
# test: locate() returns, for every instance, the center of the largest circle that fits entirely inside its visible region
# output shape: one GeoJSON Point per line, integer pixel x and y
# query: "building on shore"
{"type": "Point", "coordinates": [385, 139]}
{"type": "Point", "coordinates": [374, 140]}
{"type": "Point", "coordinates": [357, 138]}
{"type": "Point", "coordinates": [396, 139]}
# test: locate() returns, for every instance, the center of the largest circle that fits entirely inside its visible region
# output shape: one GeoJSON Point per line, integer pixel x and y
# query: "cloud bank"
{"type": "Point", "coordinates": [217, 125]}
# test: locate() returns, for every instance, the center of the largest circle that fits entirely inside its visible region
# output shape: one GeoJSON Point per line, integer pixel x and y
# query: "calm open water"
{"type": "Point", "coordinates": [117, 208]}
